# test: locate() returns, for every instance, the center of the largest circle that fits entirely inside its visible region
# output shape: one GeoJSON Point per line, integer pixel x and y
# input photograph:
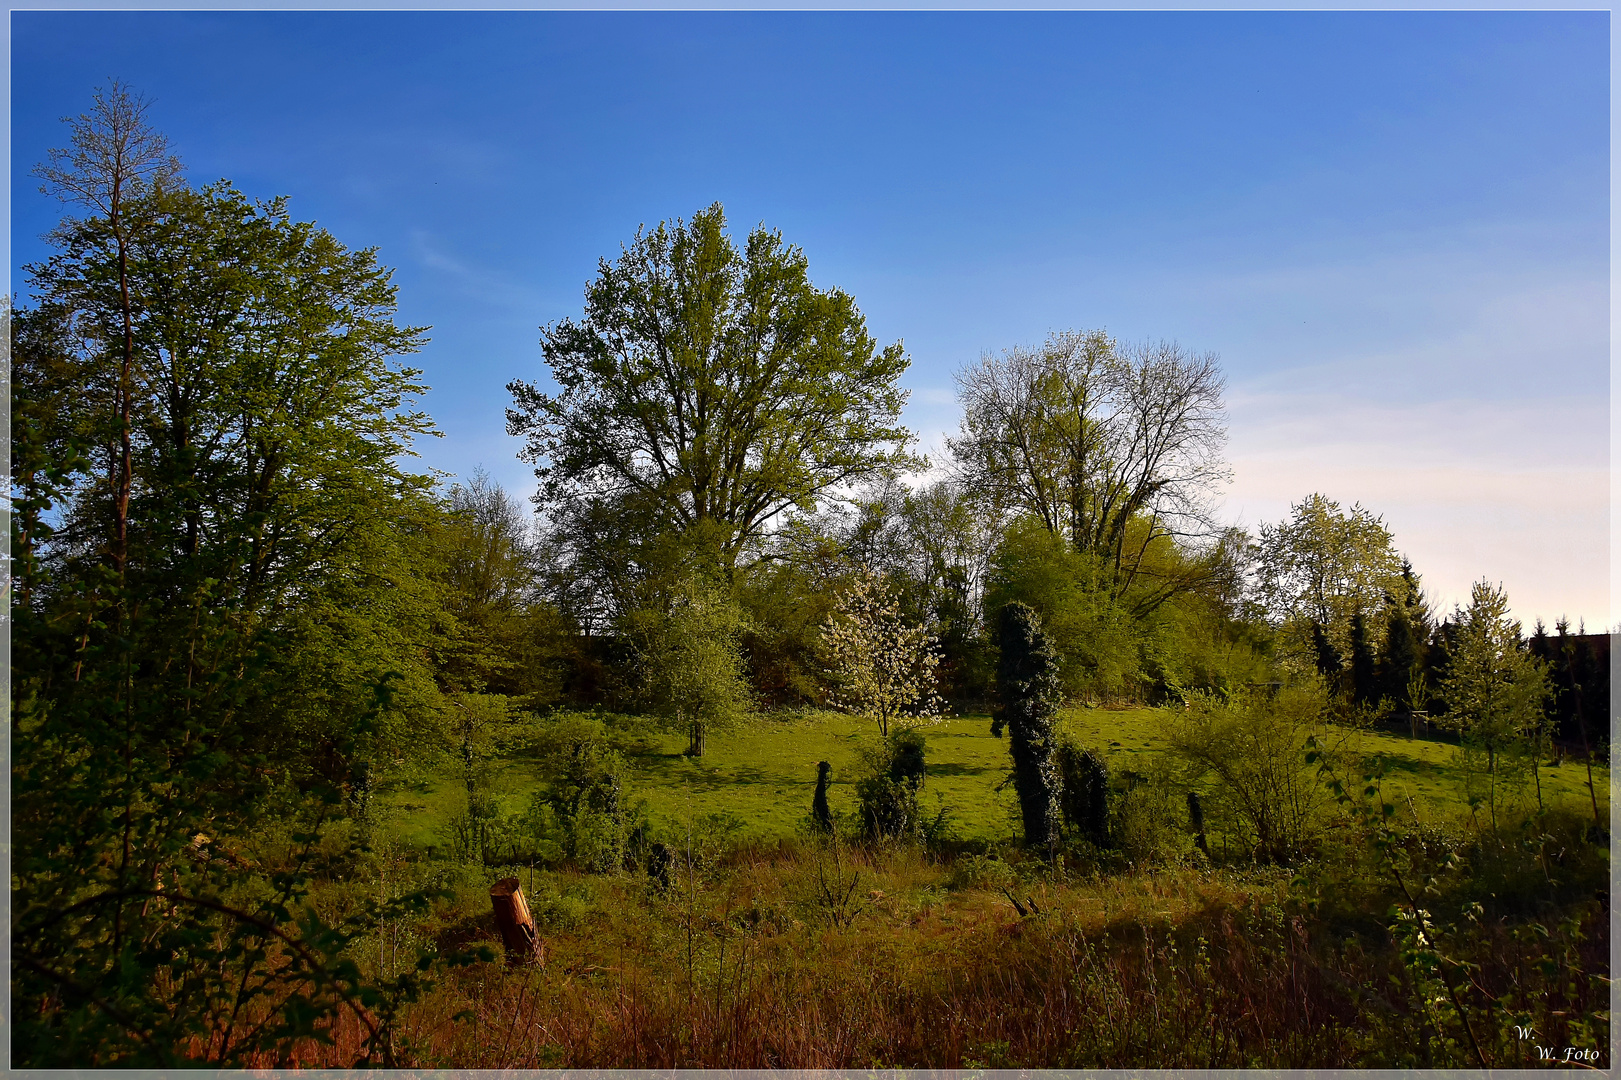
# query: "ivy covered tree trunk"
{"type": "Point", "coordinates": [1084, 798]}
{"type": "Point", "coordinates": [821, 813]}
{"type": "Point", "coordinates": [1029, 695]}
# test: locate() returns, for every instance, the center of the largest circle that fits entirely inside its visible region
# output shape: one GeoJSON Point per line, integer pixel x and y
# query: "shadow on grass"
{"type": "Point", "coordinates": [1401, 763]}
{"type": "Point", "coordinates": [953, 769]}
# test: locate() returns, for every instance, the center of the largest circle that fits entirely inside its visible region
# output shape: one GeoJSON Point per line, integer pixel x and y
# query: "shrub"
{"type": "Point", "coordinates": [888, 796]}
{"type": "Point", "coordinates": [1149, 827]}
{"type": "Point", "coordinates": [1252, 750]}
{"type": "Point", "coordinates": [1084, 798]}
{"type": "Point", "coordinates": [981, 872]}
{"type": "Point", "coordinates": [582, 807]}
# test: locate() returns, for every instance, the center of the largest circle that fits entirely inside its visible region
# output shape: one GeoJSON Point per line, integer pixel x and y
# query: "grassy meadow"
{"type": "Point", "coordinates": [764, 775]}
{"type": "Point", "coordinates": [770, 947]}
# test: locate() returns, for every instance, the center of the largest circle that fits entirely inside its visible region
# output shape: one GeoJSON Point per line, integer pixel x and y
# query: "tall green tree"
{"type": "Point", "coordinates": [113, 158]}
{"type": "Point", "coordinates": [1400, 666]}
{"type": "Point", "coordinates": [1092, 633]}
{"type": "Point", "coordinates": [706, 389]}
{"type": "Point", "coordinates": [1364, 688]}
{"type": "Point", "coordinates": [1317, 569]}
{"type": "Point", "coordinates": [223, 602]}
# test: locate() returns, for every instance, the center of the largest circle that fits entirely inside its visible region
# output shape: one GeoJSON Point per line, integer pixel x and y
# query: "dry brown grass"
{"type": "Point", "coordinates": [745, 966]}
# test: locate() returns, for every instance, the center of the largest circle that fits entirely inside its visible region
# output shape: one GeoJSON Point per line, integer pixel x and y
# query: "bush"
{"type": "Point", "coordinates": [1084, 797]}
{"type": "Point", "coordinates": [888, 796]}
{"type": "Point", "coordinates": [582, 812]}
{"type": "Point", "coordinates": [981, 872]}
{"type": "Point", "coordinates": [1149, 817]}
{"type": "Point", "coordinates": [1252, 751]}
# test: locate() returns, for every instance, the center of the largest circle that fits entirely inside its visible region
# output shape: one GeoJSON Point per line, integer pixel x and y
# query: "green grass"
{"type": "Point", "coordinates": [1427, 770]}
{"type": "Point", "coordinates": [764, 775]}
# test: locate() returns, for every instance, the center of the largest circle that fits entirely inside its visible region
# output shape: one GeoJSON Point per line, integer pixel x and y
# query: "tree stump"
{"type": "Point", "coordinates": [516, 924]}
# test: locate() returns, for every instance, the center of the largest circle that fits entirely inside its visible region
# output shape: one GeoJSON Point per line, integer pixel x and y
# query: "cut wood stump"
{"type": "Point", "coordinates": [516, 924]}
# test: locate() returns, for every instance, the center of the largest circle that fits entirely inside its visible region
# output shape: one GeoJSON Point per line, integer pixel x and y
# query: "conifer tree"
{"type": "Point", "coordinates": [1364, 688]}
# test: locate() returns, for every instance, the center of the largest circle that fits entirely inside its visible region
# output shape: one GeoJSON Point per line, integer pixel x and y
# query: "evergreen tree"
{"type": "Point", "coordinates": [1399, 662]}
{"type": "Point", "coordinates": [1364, 687]}
{"type": "Point", "coordinates": [1329, 664]}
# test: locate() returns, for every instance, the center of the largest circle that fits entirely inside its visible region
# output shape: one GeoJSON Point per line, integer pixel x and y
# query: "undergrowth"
{"type": "Point", "coordinates": [822, 954]}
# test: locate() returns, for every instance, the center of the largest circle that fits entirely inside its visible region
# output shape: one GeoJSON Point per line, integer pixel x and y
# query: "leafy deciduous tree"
{"type": "Point", "coordinates": [707, 389]}
{"type": "Point", "coordinates": [1315, 570]}
{"type": "Point", "coordinates": [222, 615]}
{"type": "Point", "coordinates": [1091, 437]}
{"type": "Point", "coordinates": [692, 661]}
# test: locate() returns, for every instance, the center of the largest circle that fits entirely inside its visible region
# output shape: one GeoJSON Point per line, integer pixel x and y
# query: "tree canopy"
{"type": "Point", "coordinates": [222, 604]}
{"type": "Point", "coordinates": [1316, 570]}
{"type": "Point", "coordinates": [706, 389]}
{"type": "Point", "coordinates": [1090, 437]}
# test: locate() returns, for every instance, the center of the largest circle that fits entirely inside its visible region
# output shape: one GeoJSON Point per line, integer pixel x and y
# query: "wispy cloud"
{"type": "Point", "coordinates": [486, 284]}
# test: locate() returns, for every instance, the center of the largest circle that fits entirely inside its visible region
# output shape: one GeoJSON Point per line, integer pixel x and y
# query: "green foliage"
{"type": "Point", "coordinates": [498, 635]}
{"type": "Point", "coordinates": [1084, 796]}
{"type": "Point", "coordinates": [691, 664]}
{"type": "Point", "coordinates": [705, 390]}
{"type": "Point", "coordinates": [888, 794]}
{"type": "Point", "coordinates": [1091, 632]}
{"type": "Point", "coordinates": [583, 805]}
{"type": "Point", "coordinates": [1148, 823]}
{"type": "Point", "coordinates": [1364, 689]}
{"type": "Point", "coordinates": [785, 600]}
{"type": "Point", "coordinates": [1496, 691]}
{"type": "Point", "coordinates": [1029, 696]}
{"type": "Point", "coordinates": [1320, 567]}
{"type": "Point", "coordinates": [222, 622]}
{"type": "Point", "coordinates": [1252, 751]}
{"type": "Point", "coordinates": [1399, 664]}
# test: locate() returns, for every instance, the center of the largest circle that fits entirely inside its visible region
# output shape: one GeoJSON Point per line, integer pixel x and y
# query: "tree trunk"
{"type": "Point", "coordinates": [516, 924]}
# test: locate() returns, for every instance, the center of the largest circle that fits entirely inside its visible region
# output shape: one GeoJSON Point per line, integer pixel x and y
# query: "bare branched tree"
{"type": "Point", "coordinates": [1092, 436]}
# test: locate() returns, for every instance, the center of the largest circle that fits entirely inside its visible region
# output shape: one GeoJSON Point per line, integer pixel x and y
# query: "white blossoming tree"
{"type": "Point", "coordinates": [884, 666]}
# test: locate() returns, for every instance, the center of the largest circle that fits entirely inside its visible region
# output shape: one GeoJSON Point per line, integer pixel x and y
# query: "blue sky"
{"type": "Point", "coordinates": [1393, 227]}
